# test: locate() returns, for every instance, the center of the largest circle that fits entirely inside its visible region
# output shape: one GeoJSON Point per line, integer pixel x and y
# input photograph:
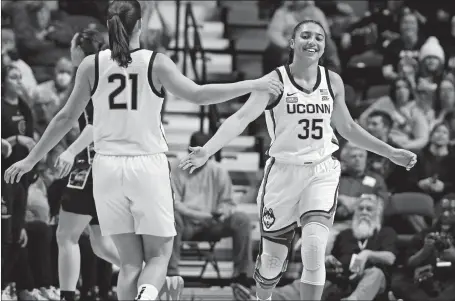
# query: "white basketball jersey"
{"type": "Point", "coordinates": [127, 107]}
{"type": "Point", "coordinates": [299, 121]}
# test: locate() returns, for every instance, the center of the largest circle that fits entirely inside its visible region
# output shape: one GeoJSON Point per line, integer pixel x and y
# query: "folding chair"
{"type": "Point", "coordinates": [204, 254]}
{"type": "Point", "coordinates": [401, 212]}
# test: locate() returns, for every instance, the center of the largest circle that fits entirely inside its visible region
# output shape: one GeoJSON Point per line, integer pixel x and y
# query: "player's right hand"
{"type": "Point", "coordinates": [404, 158]}
{"type": "Point", "coordinates": [268, 83]}
{"type": "Point", "coordinates": [64, 163]}
{"type": "Point", "coordinates": [15, 172]}
{"type": "Point", "coordinates": [195, 159]}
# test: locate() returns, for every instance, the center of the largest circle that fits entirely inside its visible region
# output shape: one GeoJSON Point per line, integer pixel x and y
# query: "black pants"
{"type": "Point", "coordinates": [29, 267]}
{"type": "Point", "coordinates": [39, 252]}
{"type": "Point", "coordinates": [94, 271]}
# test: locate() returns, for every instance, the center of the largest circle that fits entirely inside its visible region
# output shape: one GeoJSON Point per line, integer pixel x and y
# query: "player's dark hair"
{"type": "Point", "coordinates": [6, 69]}
{"type": "Point", "coordinates": [386, 118]}
{"type": "Point", "coordinates": [91, 41]}
{"type": "Point", "coordinates": [122, 16]}
{"type": "Point", "coordinates": [294, 32]}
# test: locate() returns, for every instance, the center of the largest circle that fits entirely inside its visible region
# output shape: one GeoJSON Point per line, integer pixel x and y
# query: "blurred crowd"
{"type": "Point", "coordinates": [398, 64]}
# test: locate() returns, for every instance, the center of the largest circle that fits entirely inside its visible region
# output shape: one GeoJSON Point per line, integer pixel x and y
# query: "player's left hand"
{"type": "Point", "coordinates": [404, 158]}
{"type": "Point", "coordinates": [64, 163]}
{"type": "Point", "coordinates": [15, 172]}
{"type": "Point", "coordinates": [77, 54]}
{"type": "Point", "coordinates": [195, 159]}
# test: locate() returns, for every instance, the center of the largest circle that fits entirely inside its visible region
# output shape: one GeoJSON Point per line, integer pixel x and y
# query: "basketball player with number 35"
{"type": "Point", "coordinates": [301, 178]}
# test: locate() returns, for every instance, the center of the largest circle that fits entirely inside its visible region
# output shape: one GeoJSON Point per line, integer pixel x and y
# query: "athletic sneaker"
{"type": "Point", "coordinates": [50, 293]}
{"type": "Point", "coordinates": [31, 295]}
{"type": "Point", "coordinates": [172, 289]}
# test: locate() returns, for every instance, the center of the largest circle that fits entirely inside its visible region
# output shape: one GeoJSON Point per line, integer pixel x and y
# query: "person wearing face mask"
{"type": "Point", "coordinates": [63, 74]}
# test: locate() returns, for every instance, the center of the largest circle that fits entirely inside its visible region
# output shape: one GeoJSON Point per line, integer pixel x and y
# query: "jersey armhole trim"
{"type": "Point", "coordinates": [277, 100]}
{"type": "Point", "coordinates": [329, 85]}
{"type": "Point", "coordinates": [150, 78]}
{"type": "Point", "coordinates": [97, 73]}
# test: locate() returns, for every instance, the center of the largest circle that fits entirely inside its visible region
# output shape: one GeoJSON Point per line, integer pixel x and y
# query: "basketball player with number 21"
{"type": "Point", "coordinates": [301, 178]}
{"type": "Point", "coordinates": [131, 183]}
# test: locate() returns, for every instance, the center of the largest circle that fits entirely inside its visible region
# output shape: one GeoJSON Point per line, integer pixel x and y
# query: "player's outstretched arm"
{"type": "Point", "coordinates": [168, 75]}
{"type": "Point", "coordinates": [231, 128]}
{"type": "Point", "coordinates": [60, 125]}
{"type": "Point", "coordinates": [354, 133]}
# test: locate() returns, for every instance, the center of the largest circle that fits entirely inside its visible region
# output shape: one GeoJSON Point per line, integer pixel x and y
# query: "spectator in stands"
{"type": "Point", "coordinates": [424, 277]}
{"type": "Point", "coordinates": [409, 68]}
{"type": "Point", "coordinates": [10, 56]}
{"type": "Point", "coordinates": [60, 84]}
{"type": "Point", "coordinates": [280, 30]}
{"type": "Point", "coordinates": [369, 274]}
{"type": "Point", "coordinates": [410, 129]}
{"type": "Point", "coordinates": [204, 208]}
{"type": "Point", "coordinates": [449, 47]}
{"type": "Point", "coordinates": [41, 40]}
{"type": "Point", "coordinates": [408, 45]}
{"type": "Point", "coordinates": [425, 96]}
{"type": "Point", "coordinates": [379, 124]}
{"type": "Point", "coordinates": [377, 28]}
{"type": "Point", "coordinates": [434, 173]}
{"type": "Point", "coordinates": [355, 181]}
{"type": "Point", "coordinates": [445, 98]}
{"type": "Point", "coordinates": [432, 60]}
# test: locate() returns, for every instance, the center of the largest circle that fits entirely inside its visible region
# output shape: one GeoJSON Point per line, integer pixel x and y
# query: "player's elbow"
{"type": "Point", "coordinates": [65, 118]}
{"type": "Point", "coordinates": [242, 119]}
{"type": "Point", "coordinates": [197, 95]}
{"type": "Point", "coordinates": [345, 129]}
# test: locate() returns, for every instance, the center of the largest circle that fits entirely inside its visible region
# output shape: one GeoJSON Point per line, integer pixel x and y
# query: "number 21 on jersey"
{"type": "Point", "coordinates": [120, 81]}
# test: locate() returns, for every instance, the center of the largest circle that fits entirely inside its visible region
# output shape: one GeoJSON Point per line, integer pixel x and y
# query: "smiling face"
{"type": "Point", "coordinates": [308, 42]}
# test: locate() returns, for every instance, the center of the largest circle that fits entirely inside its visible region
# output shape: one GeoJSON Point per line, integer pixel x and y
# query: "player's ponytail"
{"type": "Point", "coordinates": [122, 18]}
{"type": "Point", "coordinates": [119, 42]}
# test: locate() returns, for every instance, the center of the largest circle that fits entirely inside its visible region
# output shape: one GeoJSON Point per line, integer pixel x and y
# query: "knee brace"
{"type": "Point", "coordinates": [272, 260]}
{"type": "Point", "coordinates": [314, 242]}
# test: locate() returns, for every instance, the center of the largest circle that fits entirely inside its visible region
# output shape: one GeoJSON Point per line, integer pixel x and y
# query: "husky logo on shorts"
{"type": "Point", "coordinates": [268, 218]}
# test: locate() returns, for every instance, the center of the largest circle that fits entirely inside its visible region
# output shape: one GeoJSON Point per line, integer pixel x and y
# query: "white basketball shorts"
{"type": "Point", "coordinates": [289, 192]}
{"type": "Point", "coordinates": [133, 194]}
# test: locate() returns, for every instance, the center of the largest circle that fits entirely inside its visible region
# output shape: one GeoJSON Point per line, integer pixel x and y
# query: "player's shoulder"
{"type": "Point", "coordinates": [87, 65]}
{"type": "Point", "coordinates": [277, 73]}
{"type": "Point", "coordinates": [162, 61]}
{"type": "Point", "coordinates": [335, 78]}
{"type": "Point", "coordinates": [336, 82]}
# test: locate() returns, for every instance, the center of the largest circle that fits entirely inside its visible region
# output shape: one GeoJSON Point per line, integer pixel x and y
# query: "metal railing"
{"type": "Point", "coordinates": [192, 52]}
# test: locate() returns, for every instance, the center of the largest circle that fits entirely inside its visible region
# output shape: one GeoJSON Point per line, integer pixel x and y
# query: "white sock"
{"type": "Point", "coordinates": [147, 292]}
